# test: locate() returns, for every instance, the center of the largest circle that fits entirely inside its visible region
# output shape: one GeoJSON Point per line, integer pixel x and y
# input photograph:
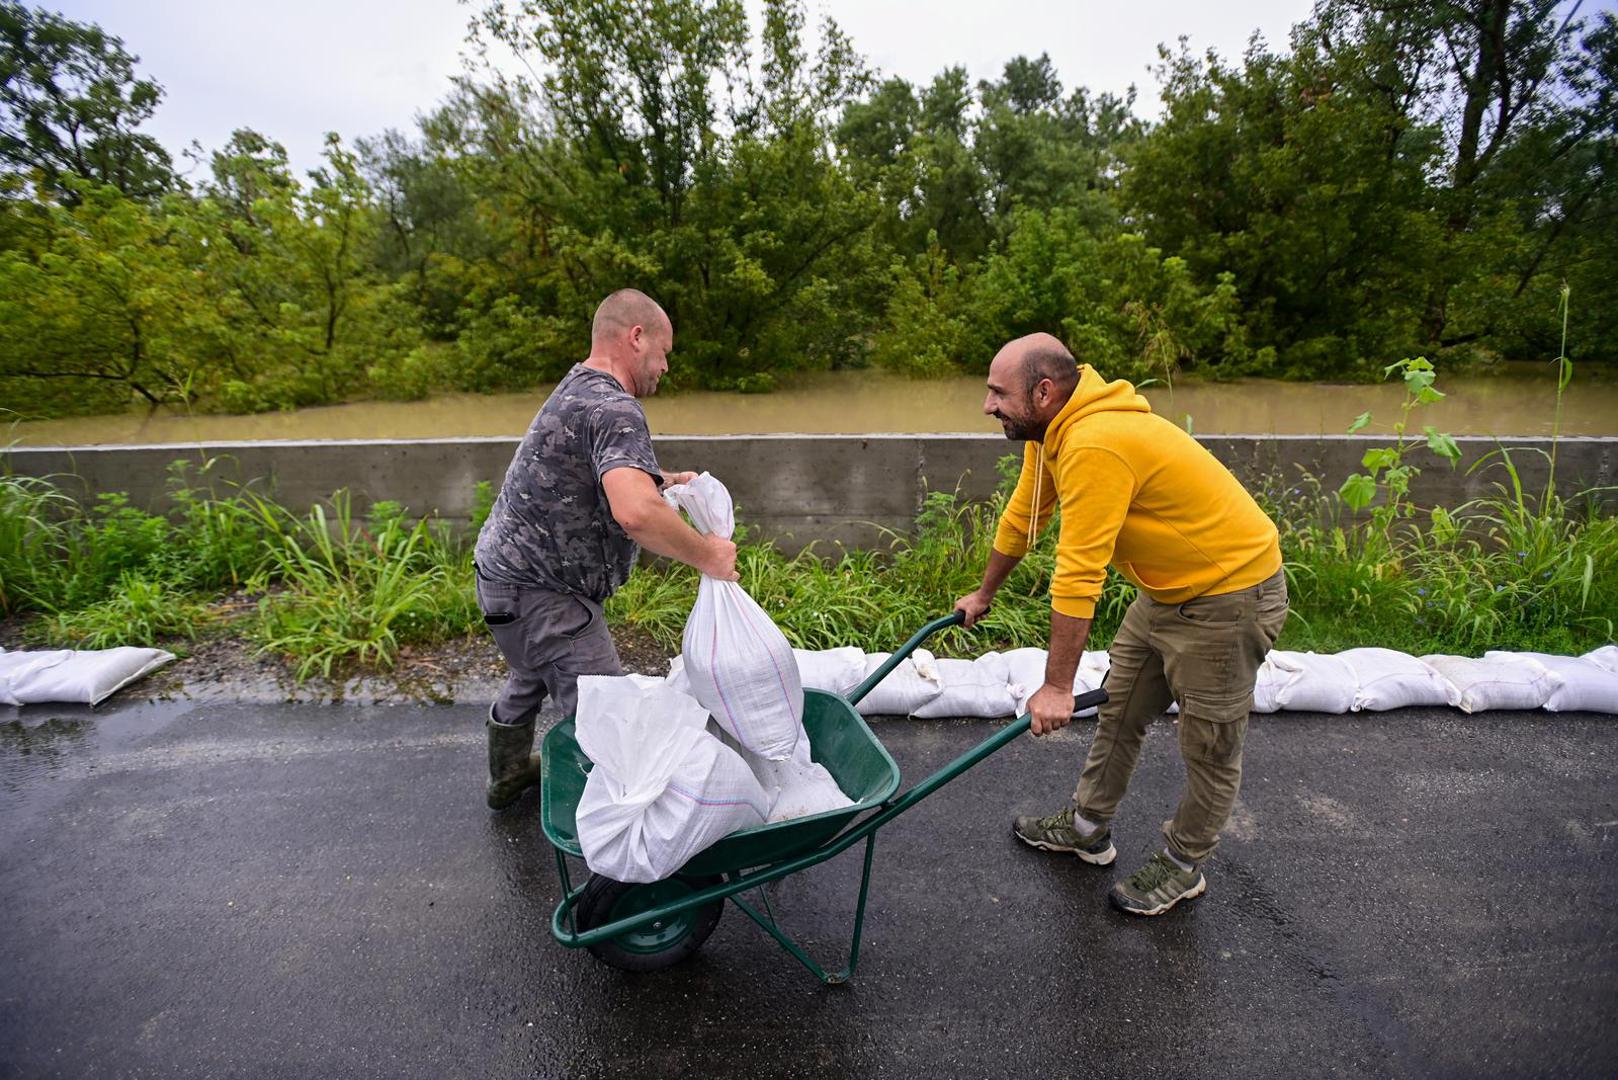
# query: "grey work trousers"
{"type": "Point", "coordinates": [549, 639]}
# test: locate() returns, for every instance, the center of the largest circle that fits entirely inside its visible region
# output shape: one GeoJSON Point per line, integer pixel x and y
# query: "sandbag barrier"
{"type": "Point", "coordinates": [999, 684]}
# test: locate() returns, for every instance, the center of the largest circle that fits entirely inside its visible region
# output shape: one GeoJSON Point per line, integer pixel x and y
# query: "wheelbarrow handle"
{"type": "Point", "coordinates": [1081, 703]}
{"type": "Point", "coordinates": [954, 618]}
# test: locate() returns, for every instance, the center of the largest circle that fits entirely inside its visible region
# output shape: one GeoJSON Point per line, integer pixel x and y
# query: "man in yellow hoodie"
{"type": "Point", "coordinates": [1138, 493]}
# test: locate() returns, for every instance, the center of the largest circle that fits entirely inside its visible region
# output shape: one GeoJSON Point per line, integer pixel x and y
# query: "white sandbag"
{"type": "Point", "coordinates": [835, 670]}
{"type": "Point", "coordinates": [1482, 685]}
{"type": "Point", "coordinates": [1585, 686]}
{"type": "Point", "coordinates": [1606, 656]}
{"type": "Point", "coordinates": [1266, 686]}
{"type": "Point", "coordinates": [738, 662]}
{"type": "Point", "coordinates": [66, 675]}
{"type": "Point", "coordinates": [798, 786]}
{"type": "Point", "coordinates": [1389, 679]}
{"type": "Point", "coordinates": [1313, 682]}
{"type": "Point", "coordinates": [1025, 673]}
{"type": "Point", "coordinates": [676, 679]}
{"type": "Point", "coordinates": [976, 688]}
{"type": "Point", "coordinates": [905, 689]}
{"type": "Point", "coordinates": [662, 788]}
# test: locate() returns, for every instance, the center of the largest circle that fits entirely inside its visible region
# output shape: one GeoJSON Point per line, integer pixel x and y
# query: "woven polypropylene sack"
{"type": "Point", "coordinates": [836, 670]}
{"type": "Point", "coordinates": [1025, 672]}
{"type": "Point", "coordinates": [1500, 683]}
{"type": "Point", "coordinates": [1313, 682]}
{"type": "Point", "coordinates": [1606, 656]}
{"type": "Point", "coordinates": [798, 786]}
{"type": "Point", "coordinates": [1266, 686]}
{"type": "Point", "coordinates": [978, 688]}
{"type": "Point", "coordinates": [737, 661]}
{"type": "Point", "coordinates": [66, 675]}
{"type": "Point", "coordinates": [1583, 685]}
{"type": "Point", "coordinates": [662, 788]}
{"type": "Point", "coordinates": [909, 686]}
{"type": "Point", "coordinates": [1389, 679]}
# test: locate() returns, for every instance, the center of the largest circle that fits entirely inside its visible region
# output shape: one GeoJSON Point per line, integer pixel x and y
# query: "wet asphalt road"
{"type": "Point", "coordinates": [228, 890]}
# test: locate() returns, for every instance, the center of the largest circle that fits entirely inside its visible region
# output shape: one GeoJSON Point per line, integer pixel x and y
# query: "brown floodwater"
{"type": "Point", "coordinates": [1520, 400]}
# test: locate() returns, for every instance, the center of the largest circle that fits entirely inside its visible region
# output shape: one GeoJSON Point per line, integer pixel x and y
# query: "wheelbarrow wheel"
{"type": "Point", "coordinates": [659, 945]}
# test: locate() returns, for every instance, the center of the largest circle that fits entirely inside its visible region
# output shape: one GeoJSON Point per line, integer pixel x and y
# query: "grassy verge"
{"type": "Point", "coordinates": [333, 593]}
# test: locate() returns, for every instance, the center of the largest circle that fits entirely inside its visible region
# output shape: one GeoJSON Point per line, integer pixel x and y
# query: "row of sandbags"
{"type": "Point", "coordinates": [1358, 680]}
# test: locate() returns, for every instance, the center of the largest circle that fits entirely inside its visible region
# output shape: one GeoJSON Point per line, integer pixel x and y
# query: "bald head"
{"type": "Point", "coordinates": [631, 338]}
{"type": "Point", "coordinates": [1030, 379]}
{"type": "Point", "coordinates": [1043, 356]}
{"type": "Point", "coordinates": [624, 310]}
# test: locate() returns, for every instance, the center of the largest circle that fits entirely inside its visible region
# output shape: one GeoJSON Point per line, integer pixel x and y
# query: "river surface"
{"type": "Point", "coordinates": [1519, 401]}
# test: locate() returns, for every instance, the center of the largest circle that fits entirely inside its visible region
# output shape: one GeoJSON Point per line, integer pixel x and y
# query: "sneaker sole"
{"type": "Point", "coordinates": [1094, 858]}
{"type": "Point", "coordinates": [1190, 894]}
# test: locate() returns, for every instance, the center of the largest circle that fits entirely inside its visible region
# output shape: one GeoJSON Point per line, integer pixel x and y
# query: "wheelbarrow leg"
{"type": "Point", "coordinates": [774, 930]}
{"type": "Point", "coordinates": [567, 885]}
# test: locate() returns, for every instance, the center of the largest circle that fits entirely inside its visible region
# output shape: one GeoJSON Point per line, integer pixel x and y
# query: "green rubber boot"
{"type": "Point", "coordinates": [513, 765]}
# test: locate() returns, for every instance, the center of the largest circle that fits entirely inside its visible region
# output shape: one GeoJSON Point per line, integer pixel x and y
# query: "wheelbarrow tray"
{"type": "Point", "coordinates": [838, 739]}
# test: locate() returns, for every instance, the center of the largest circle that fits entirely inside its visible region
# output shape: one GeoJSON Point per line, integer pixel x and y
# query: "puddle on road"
{"type": "Point", "coordinates": [42, 745]}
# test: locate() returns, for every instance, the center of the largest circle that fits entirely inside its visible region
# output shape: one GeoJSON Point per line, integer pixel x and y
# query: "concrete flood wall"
{"type": "Point", "coordinates": [791, 488]}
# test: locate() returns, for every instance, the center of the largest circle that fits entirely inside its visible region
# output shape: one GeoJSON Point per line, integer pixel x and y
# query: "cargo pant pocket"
{"type": "Point", "coordinates": [1213, 727]}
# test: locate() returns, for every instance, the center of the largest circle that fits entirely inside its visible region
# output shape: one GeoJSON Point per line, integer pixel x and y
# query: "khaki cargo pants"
{"type": "Point", "coordinates": [549, 639]}
{"type": "Point", "coordinates": [1205, 654]}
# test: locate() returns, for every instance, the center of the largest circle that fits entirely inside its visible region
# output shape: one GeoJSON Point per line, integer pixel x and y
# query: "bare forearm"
{"type": "Point", "coordinates": [999, 568]}
{"type": "Point", "coordinates": [663, 531]}
{"type": "Point", "coordinates": [1068, 636]}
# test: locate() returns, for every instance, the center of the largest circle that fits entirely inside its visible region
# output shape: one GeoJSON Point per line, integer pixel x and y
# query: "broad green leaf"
{"type": "Point", "coordinates": [1358, 491]}
{"type": "Point", "coordinates": [1381, 457]}
{"type": "Point", "coordinates": [1442, 444]}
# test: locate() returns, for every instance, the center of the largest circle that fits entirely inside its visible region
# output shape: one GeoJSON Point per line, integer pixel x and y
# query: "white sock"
{"type": "Point", "coordinates": [1083, 824]}
{"type": "Point", "coordinates": [1175, 859]}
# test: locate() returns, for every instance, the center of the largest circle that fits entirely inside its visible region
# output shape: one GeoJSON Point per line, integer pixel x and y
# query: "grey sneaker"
{"type": "Point", "coordinates": [1058, 833]}
{"type": "Point", "coordinates": [1157, 886]}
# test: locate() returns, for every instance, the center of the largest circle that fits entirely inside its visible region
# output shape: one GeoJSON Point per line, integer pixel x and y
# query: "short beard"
{"type": "Point", "coordinates": [1016, 430]}
{"type": "Point", "coordinates": [1021, 429]}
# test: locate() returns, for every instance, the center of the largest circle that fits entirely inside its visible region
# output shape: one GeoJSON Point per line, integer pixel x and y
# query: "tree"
{"type": "Point", "coordinates": [1500, 77]}
{"type": "Point", "coordinates": [1313, 194]}
{"type": "Point", "coordinates": [651, 155]}
{"type": "Point", "coordinates": [112, 306]}
{"type": "Point", "coordinates": [70, 103]}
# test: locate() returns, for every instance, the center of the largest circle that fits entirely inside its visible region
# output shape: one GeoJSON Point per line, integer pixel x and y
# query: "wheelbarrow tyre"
{"type": "Point", "coordinates": [649, 948]}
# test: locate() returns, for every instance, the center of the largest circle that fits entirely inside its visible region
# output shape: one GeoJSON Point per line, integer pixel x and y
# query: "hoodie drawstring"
{"type": "Point", "coordinates": [1039, 475]}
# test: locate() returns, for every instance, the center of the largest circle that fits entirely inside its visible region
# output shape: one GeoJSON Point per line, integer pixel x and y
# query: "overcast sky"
{"type": "Point", "coordinates": [295, 69]}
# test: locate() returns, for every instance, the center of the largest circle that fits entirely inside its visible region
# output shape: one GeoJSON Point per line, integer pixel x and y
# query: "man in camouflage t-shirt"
{"type": "Point", "coordinates": [578, 502]}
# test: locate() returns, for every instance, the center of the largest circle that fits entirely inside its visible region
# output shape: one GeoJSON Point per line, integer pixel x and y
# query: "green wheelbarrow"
{"type": "Point", "coordinates": [645, 927]}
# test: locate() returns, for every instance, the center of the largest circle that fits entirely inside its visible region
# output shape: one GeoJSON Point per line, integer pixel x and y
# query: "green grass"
{"type": "Point", "coordinates": [1508, 571]}
{"type": "Point", "coordinates": [349, 592]}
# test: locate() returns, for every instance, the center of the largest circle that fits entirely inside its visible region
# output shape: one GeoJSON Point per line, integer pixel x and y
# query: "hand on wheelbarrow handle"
{"type": "Point", "coordinates": [898, 805]}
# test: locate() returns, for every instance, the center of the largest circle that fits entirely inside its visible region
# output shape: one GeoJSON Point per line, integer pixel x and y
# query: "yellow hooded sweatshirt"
{"type": "Point", "coordinates": [1139, 493]}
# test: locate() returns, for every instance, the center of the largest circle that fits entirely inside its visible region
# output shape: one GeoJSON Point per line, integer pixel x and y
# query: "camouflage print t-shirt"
{"type": "Point", "coordinates": [551, 527]}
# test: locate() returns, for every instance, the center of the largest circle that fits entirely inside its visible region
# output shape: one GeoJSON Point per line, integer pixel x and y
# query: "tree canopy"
{"type": "Point", "coordinates": [1400, 178]}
